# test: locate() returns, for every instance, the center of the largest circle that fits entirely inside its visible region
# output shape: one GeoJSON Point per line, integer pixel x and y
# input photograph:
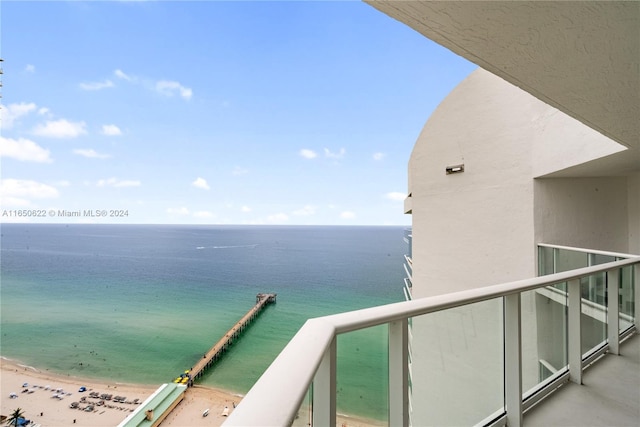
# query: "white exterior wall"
{"type": "Point", "coordinates": [481, 227]}
{"type": "Point", "coordinates": [469, 230]}
{"type": "Point", "coordinates": [633, 183]}
{"type": "Point", "coordinates": [583, 212]}
{"type": "Point", "coordinates": [486, 212]}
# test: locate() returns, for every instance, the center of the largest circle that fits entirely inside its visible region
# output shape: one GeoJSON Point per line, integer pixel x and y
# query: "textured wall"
{"type": "Point", "coordinates": [481, 226]}
{"type": "Point", "coordinates": [583, 212]}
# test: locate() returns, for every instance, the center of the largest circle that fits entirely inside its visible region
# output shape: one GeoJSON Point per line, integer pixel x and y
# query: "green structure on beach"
{"type": "Point", "coordinates": [156, 408]}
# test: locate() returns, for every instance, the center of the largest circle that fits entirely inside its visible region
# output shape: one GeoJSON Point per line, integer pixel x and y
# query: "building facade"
{"type": "Point", "coordinates": [490, 178]}
{"type": "Point", "coordinates": [537, 146]}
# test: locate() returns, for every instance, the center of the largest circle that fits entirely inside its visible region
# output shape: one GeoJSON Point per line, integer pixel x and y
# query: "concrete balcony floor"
{"type": "Point", "coordinates": [609, 395]}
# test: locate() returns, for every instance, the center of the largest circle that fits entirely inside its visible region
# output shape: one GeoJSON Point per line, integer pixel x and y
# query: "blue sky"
{"type": "Point", "coordinates": [214, 112]}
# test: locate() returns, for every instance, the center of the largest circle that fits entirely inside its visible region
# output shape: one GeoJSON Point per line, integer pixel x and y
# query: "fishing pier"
{"type": "Point", "coordinates": [220, 347]}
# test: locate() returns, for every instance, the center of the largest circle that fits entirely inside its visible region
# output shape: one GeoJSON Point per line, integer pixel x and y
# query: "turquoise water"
{"type": "Point", "coordinates": [142, 303]}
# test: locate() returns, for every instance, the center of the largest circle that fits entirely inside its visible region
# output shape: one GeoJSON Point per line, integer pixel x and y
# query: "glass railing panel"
{"type": "Point", "coordinates": [545, 261]}
{"type": "Point", "coordinates": [626, 299]}
{"type": "Point", "coordinates": [594, 311]}
{"type": "Point", "coordinates": [458, 365]}
{"type": "Point", "coordinates": [305, 413]}
{"type": "Point", "coordinates": [597, 259]}
{"type": "Point", "coordinates": [566, 260]}
{"type": "Point", "coordinates": [362, 377]}
{"type": "Point", "coordinates": [544, 334]}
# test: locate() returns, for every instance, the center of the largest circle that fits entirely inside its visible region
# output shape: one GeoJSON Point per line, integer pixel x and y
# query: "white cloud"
{"type": "Point", "coordinates": [164, 87]}
{"type": "Point", "coordinates": [111, 130]}
{"type": "Point", "coordinates": [60, 129]}
{"type": "Point", "coordinates": [308, 154]}
{"type": "Point", "coordinates": [306, 211]}
{"type": "Point", "coordinates": [278, 218]}
{"type": "Point", "coordinates": [170, 88]}
{"type": "Point", "coordinates": [200, 183]}
{"type": "Point", "coordinates": [114, 182]}
{"type": "Point", "coordinates": [378, 156]}
{"type": "Point", "coordinates": [121, 75]}
{"type": "Point", "coordinates": [24, 150]}
{"type": "Point", "coordinates": [396, 196]}
{"type": "Point", "coordinates": [329, 154]}
{"type": "Point", "coordinates": [245, 209]}
{"type": "Point", "coordinates": [239, 171]}
{"type": "Point", "coordinates": [178, 211]}
{"type": "Point", "coordinates": [63, 183]}
{"type": "Point", "coordinates": [30, 68]}
{"type": "Point", "coordinates": [96, 85]}
{"type": "Point", "coordinates": [17, 192]}
{"type": "Point", "coordinates": [10, 113]}
{"type": "Point", "coordinates": [92, 154]}
{"type": "Point", "coordinates": [347, 215]}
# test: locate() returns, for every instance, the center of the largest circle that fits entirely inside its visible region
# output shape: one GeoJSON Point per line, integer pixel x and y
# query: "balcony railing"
{"type": "Point", "coordinates": [307, 365]}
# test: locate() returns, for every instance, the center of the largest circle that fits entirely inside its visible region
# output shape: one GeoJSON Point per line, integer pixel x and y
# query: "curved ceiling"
{"type": "Point", "coordinates": [582, 58]}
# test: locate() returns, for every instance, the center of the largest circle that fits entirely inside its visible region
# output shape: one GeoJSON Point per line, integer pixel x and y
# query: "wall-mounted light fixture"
{"type": "Point", "coordinates": [454, 169]}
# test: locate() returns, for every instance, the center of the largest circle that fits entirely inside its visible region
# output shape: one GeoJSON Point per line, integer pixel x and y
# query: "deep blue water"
{"type": "Point", "coordinates": [140, 303]}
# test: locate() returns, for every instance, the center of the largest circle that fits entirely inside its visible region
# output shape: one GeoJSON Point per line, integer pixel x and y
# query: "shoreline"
{"type": "Point", "coordinates": [40, 405]}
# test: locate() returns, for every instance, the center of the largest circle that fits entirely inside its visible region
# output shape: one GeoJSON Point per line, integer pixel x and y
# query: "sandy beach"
{"type": "Point", "coordinates": [42, 407]}
{"type": "Point", "coordinates": [39, 402]}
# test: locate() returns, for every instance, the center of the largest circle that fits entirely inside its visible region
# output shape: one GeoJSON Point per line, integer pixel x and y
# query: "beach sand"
{"type": "Point", "coordinates": [41, 407]}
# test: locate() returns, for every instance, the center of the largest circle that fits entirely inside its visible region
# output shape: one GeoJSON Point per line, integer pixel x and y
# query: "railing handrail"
{"type": "Point", "coordinates": [367, 317]}
{"type": "Point", "coordinates": [279, 392]}
{"type": "Point", "coordinates": [587, 251]}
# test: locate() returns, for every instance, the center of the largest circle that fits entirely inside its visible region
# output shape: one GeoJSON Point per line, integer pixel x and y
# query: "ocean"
{"type": "Point", "coordinates": [142, 303]}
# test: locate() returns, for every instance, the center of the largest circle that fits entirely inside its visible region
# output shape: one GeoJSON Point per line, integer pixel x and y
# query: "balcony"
{"type": "Point", "coordinates": [577, 321]}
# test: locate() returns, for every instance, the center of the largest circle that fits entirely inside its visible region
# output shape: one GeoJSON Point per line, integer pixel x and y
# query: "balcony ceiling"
{"type": "Point", "coordinates": [582, 58]}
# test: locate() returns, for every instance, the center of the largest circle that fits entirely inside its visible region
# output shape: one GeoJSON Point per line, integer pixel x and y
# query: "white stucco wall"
{"type": "Point", "coordinates": [583, 212]}
{"type": "Point", "coordinates": [480, 227]}
{"type": "Point", "coordinates": [559, 142]}
{"type": "Point", "coordinates": [633, 183]}
{"type": "Point", "coordinates": [470, 229]}
{"type": "Point", "coordinates": [474, 228]}
{"type": "Point", "coordinates": [491, 216]}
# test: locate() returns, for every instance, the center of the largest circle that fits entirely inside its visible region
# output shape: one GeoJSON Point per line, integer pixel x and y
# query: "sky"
{"type": "Point", "coordinates": [211, 112]}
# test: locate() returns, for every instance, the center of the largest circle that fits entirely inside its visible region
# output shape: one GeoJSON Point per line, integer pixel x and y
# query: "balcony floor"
{"type": "Point", "coordinates": [609, 395]}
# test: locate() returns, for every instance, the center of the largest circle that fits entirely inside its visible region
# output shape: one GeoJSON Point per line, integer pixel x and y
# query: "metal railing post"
{"type": "Point", "coordinates": [575, 331]}
{"type": "Point", "coordinates": [613, 310]}
{"type": "Point", "coordinates": [324, 389]}
{"type": "Point", "coordinates": [399, 373]}
{"type": "Point", "coordinates": [636, 294]}
{"type": "Point", "coordinates": [592, 279]}
{"type": "Point", "coordinates": [513, 359]}
{"type": "Point", "coordinates": [310, 356]}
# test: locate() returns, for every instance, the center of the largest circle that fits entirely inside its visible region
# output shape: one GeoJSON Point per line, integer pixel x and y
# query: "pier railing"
{"type": "Point", "coordinates": [309, 360]}
{"type": "Point", "coordinates": [221, 346]}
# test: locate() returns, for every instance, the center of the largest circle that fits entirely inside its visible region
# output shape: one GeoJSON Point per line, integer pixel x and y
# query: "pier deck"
{"type": "Point", "coordinates": [221, 346]}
